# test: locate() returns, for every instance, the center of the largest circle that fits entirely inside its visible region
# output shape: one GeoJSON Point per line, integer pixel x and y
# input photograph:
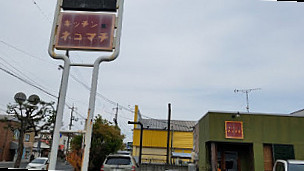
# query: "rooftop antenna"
{"type": "Point", "coordinates": [246, 91]}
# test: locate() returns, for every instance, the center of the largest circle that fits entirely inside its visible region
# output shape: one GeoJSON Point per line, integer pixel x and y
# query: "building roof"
{"type": "Point", "coordinates": [298, 113]}
{"type": "Point", "coordinates": [176, 125]}
{"type": "Point", "coordinates": [249, 113]}
{"type": "Point", "coordinates": [8, 117]}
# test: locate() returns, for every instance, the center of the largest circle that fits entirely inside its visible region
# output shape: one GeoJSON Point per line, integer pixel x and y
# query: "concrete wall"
{"type": "Point", "coordinates": [155, 167]}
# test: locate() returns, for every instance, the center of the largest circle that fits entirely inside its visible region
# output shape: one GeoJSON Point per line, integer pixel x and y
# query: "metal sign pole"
{"type": "Point", "coordinates": [63, 89]}
{"type": "Point", "coordinates": [64, 84]}
{"type": "Point", "coordinates": [61, 102]}
{"type": "Point", "coordinates": [89, 124]}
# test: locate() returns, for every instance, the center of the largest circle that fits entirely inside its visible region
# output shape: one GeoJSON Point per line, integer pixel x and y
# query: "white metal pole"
{"type": "Point", "coordinates": [63, 89]}
{"type": "Point", "coordinates": [61, 103]}
{"type": "Point", "coordinates": [90, 118]}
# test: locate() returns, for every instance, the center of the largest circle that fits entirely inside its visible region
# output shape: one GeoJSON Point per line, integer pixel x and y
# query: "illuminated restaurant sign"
{"type": "Point", "coordinates": [234, 129]}
{"type": "Point", "coordinates": [85, 31]}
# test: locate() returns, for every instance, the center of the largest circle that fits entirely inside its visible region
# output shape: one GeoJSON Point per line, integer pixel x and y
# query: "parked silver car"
{"type": "Point", "coordinates": [121, 162]}
{"type": "Point", "coordinates": [40, 163]}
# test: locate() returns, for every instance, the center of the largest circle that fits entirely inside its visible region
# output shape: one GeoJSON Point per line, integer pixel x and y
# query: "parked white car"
{"type": "Point", "coordinates": [40, 163]}
{"type": "Point", "coordinates": [288, 165]}
{"type": "Point", "coordinates": [121, 162]}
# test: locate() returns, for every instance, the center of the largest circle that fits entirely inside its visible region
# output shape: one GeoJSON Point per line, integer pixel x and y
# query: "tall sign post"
{"type": "Point", "coordinates": [96, 28]}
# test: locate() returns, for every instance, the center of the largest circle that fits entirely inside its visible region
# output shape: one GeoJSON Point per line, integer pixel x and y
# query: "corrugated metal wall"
{"type": "Point", "coordinates": [158, 138]}
{"type": "Point", "coordinates": [155, 144]}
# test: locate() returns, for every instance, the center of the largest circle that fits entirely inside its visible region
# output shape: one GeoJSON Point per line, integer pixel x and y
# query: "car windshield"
{"type": "Point", "coordinates": [38, 161]}
{"type": "Point", "coordinates": [296, 167]}
{"type": "Point", "coordinates": [118, 160]}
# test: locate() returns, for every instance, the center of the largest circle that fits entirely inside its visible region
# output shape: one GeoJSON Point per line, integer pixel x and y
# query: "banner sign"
{"type": "Point", "coordinates": [234, 129]}
{"type": "Point", "coordinates": [85, 31]}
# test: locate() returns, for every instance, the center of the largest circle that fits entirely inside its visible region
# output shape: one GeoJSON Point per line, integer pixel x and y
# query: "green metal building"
{"type": "Point", "coordinates": [248, 141]}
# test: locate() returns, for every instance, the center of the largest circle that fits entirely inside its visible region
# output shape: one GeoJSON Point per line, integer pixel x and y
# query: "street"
{"type": "Point", "coordinates": [61, 165]}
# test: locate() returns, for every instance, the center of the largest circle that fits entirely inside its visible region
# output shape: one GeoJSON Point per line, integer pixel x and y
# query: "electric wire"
{"type": "Point", "coordinates": [100, 95]}
{"type": "Point", "coordinates": [2, 110]}
{"type": "Point", "coordinates": [38, 86]}
{"type": "Point", "coordinates": [24, 52]}
{"type": "Point", "coordinates": [77, 80]}
{"type": "Point", "coordinates": [54, 96]}
{"type": "Point", "coordinates": [21, 73]}
{"type": "Point", "coordinates": [123, 107]}
{"type": "Point", "coordinates": [27, 82]}
{"type": "Point", "coordinates": [41, 11]}
{"type": "Point", "coordinates": [35, 86]}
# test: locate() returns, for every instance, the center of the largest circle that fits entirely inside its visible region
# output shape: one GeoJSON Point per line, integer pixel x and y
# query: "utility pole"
{"type": "Point", "coordinates": [70, 127]}
{"type": "Point", "coordinates": [246, 91]}
{"type": "Point", "coordinates": [116, 114]}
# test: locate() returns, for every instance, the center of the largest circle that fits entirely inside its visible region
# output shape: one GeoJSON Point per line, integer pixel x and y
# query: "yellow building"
{"type": "Point", "coordinates": [155, 135]}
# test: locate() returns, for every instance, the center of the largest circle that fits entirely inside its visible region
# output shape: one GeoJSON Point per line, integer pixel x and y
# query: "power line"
{"type": "Point", "coordinates": [20, 72]}
{"type": "Point", "coordinates": [2, 110]}
{"type": "Point", "coordinates": [41, 11]}
{"type": "Point", "coordinates": [54, 96]}
{"type": "Point", "coordinates": [28, 54]}
{"type": "Point", "coordinates": [24, 52]}
{"type": "Point", "coordinates": [100, 95]}
{"type": "Point", "coordinates": [41, 89]}
{"type": "Point", "coordinates": [76, 79]}
{"type": "Point", "coordinates": [27, 82]}
{"type": "Point", "coordinates": [23, 79]}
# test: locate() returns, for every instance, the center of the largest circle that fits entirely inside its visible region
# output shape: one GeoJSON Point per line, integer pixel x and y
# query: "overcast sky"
{"type": "Point", "coordinates": [192, 54]}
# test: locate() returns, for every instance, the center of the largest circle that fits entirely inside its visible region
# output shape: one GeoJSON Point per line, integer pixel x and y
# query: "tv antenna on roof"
{"type": "Point", "coordinates": [246, 91]}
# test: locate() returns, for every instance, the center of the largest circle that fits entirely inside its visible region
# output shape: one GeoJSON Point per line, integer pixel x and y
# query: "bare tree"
{"type": "Point", "coordinates": [33, 115]}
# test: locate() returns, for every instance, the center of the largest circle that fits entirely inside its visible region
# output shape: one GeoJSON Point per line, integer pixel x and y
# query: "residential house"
{"type": "Point", "coordinates": [9, 144]}
{"type": "Point", "coordinates": [7, 136]}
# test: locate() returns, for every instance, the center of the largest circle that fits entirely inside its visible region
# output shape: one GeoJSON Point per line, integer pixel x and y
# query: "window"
{"type": "Point", "coordinates": [119, 160]}
{"type": "Point", "coordinates": [296, 167]}
{"type": "Point", "coordinates": [27, 137]}
{"type": "Point", "coordinates": [283, 151]}
{"type": "Point", "coordinates": [27, 154]}
{"type": "Point", "coordinates": [16, 134]}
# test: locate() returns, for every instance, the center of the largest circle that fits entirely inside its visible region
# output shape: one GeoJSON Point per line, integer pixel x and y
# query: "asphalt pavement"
{"type": "Point", "coordinates": [60, 165]}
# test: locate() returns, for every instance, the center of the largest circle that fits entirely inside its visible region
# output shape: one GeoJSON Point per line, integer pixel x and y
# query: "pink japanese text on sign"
{"type": "Point", "coordinates": [85, 31]}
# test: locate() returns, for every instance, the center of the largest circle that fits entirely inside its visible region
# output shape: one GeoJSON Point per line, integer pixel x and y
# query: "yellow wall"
{"type": "Point", "coordinates": [183, 140]}
{"type": "Point", "coordinates": [155, 144]}
{"type": "Point", "coordinates": [151, 155]}
{"type": "Point", "coordinates": [158, 138]}
{"type": "Point", "coordinates": [157, 155]}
